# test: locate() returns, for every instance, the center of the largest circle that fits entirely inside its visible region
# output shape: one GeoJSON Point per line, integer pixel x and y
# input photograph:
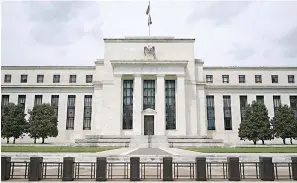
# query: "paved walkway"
{"type": "Point", "coordinates": [149, 151]}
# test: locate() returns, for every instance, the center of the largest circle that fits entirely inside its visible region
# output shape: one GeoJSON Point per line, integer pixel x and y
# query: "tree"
{"type": "Point", "coordinates": [284, 123]}
{"type": "Point", "coordinates": [43, 122]}
{"type": "Point", "coordinates": [13, 122]}
{"type": "Point", "coordinates": [255, 125]}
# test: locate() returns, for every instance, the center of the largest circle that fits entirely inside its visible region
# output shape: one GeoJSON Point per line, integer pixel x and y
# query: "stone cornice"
{"type": "Point", "coordinates": [48, 67]}
{"type": "Point", "coordinates": [99, 62]}
{"type": "Point", "coordinates": [149, 40]}
{"type": "Point", "coordinates": [207, 86]}
{"type": "Point", "coordinates": [248, 68]}
{"type": "Point", "coordinates": [149, 62]}
{"type": "Point", "coordinates": [199, 62]}
{"type": "Point", "coordinates": [46, 86]}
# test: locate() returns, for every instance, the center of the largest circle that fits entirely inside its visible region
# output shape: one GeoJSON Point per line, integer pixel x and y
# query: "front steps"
{"type": "Point", "coordinates": [104, 141]}
{"type": "Point", "coordinates": [194, 141]}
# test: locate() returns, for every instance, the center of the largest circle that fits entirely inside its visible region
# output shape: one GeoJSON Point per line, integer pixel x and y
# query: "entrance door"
{"type": "Point", "coordinates": [148, 125]}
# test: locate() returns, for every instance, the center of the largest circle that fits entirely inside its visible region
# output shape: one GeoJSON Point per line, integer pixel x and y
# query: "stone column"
{"type": "Point", "coordinates": [137, 105]}
{"type": "Point", "coordinates": [202, 112]}
{"type": "Point", "coordinates": [160, 105]}
{"type": "Point", "coordinates": [116, 106]}
{"type": "Point", "coordinates": [181, 106]}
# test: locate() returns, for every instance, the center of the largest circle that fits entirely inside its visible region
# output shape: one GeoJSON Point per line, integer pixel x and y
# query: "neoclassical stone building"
{"type": "Point", "coordinates": [148, 85]}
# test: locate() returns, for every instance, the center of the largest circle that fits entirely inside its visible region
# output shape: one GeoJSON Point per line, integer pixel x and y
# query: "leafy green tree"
{"type": "Point", "coordinates": [43, 122]}
{"type": "Point", "coordinates": [285, 123]}
{"type": "Point", "coordinates": [255, 125]}
{"type": "Point", "coordinates": [13, 122]}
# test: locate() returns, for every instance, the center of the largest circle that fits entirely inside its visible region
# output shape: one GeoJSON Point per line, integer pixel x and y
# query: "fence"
{"type": "Point", "coordinates": [101, 170]}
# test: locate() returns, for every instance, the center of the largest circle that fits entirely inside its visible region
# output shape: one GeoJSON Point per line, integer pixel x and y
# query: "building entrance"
{"type": "Point", "coordinates": [148, 125]}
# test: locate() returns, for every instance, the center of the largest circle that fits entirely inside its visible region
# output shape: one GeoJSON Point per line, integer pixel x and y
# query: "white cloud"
{"type": "Point", "coordinates": [227, 33]}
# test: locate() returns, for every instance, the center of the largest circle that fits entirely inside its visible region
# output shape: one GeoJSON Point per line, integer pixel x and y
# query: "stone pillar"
{"type": "Point", "coordinates": [134, 169]}
{"type": "Point", "coordinates": [266, 169]}
{"type": "Point", "coordinates": [160, 105]}
{"type": "Point", "coordinates": [202, 112]}
{"type": "Point", "coordinates": [233, 169]}
{"type": "Point", "coordinates": [137, 105]}
{"type": "Point", "coordinates": [294, 167]}
{"type": "Point", "coordinates": [101, 169]}
{"type": "Point", "coordinates": [68, 169]}
{"type": "Point", "coordinates": [116, 104]}
{"type": "Point", "coordinates": [200, 168]}
{"type": "Point", "coordinates": [5, 168]}
{"type": "Point", "coordinates": [181, 106]}
{"type": "Point", "coordinates": [167, 169]}
{"type": "Point", "coordinates": [35, 168]}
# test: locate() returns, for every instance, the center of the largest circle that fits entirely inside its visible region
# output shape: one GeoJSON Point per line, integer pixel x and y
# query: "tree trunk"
{"type": "Point", "coordinates": [284, 140]}
{"type": "Point", "coordinates": [263, 142]}
{"type": "Point", "coordinates": [43, 140]}
{"type": "Point", "coordinates": [255, 142]}
{"type": "Point", "coordinates": [291, 140]}
{"type": "Point", "coordinates": [7, 140]}
{"type": "Point", "coordinates": [34, 140]}
{"type": "Point", "coordinates": [14, 140]}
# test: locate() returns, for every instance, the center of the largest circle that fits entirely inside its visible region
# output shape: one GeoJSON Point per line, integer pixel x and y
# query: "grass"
{"type": "Point", "coordinates": [53, 149]}
{"type": "Point", "coordinates": [246, 150]}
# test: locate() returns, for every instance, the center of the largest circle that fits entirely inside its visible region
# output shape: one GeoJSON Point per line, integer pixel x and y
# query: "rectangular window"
{"type": "Point", "coordinates": [260, 98]}
{"type": "Point", "coordinates": [4, 102]}
{"type": "Point", "coordinates": [24, 78]}
{"type": "Point", "coordinates": [276, 103]}
{"type": "Point", "coordinates": [40, 78]}
{"type": "Point", "coordinates": [274, 78]}
{"type": "Point", "coordinates": [241, 78]}
{"type": "Point", "coordinates": [72, 79]}
{"type": "Point", "coordinates": [70, 112]}
{"type": "Point", "coordinates": [55, 104]}
{"type": "Point", "coordinates": [22, 100]}
{"type": "Point", "coordinates": [38, 100]}
{"type": "Point", "coordinates": [209, 79]}
{"type": "Point", "coordinates": [225, 78]}
{"type": "Point", "coordinates": [56, 78]}
{"type": "Point", "coordinates": [291, 79]}
{"type": "Point", "coordinates": [7, 78]}
{"type": "Point", "coordinates": [243, 105]}
{"type": "Point", "coordinates": [87, 112]}
{"type": "Point", "coordinates": [89, 78]}
{"type": "Point", "coordinates": [258, 78]}
{"type": "Point", "coordinates": [293, 104]}
{"type": "Point", "coordinates": [148, 94]}
{"type": "Point", "coordinates": [227, 112]}
{"type": "Point", "coordinates": [127, 104]}
{"type": "Point", "coordinates": [210, 112]}
{"type": "Point", "coordinates": [170, 104]}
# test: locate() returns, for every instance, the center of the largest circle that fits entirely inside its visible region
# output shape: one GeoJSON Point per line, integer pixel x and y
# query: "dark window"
{"type": "Point", "coordinates": [291, 79]}
{"type": "Point", "coordinates": [24, 78]}
{"type": "Point", "coordinates": [56, 78]}
{"type": "Point", "coordinates": [170, 104]}
{"type": "Point", "coordinates": [148, 94]}
{"type": "Point", "coordinates": [89, 78]}
{"type": "Point", "coordinates": [38, 100]}
{"type": "Point", "coordinates": [7, 78]}
{"type": "Point", "coordinates": [55, 104]}
{"type": "Point", "coordinates": [276, 103]}
{"type": "Point", "coordinates": [127, 104]}
{"type": "Point", "coordinates": [274, 78]}
{"type": "Point", "coordinates": [87, 112]}
{"type": "Point", "coordinates": [225, 78]}
{"type": "Point", "coordinates": [22, 100]}
{"type": "Point", "coordinates": [227, 112]}
{"type": "Point", "coordinates": [293, 104]}
{"type": "Point", "coordinates": [70, 112]}
{"type": "Point", "coordinates": [210, 112]}
{"type": "Point", "coordinates": [243, 105]}
{"type": "Point", "coordinates": [4, 102]}
{"type": "Point", "coordinates": [258, 78]}
{"type": "Point", "coordinates": [241, 78]}
{"type": "Point", "coordinates": [209, 78]}
{"type": "Point", "coordinates": [72, 79]}
{"type": "Point", "coordinates": [260, 98]}
{"type": "Point", "coordinates": [40, 78]}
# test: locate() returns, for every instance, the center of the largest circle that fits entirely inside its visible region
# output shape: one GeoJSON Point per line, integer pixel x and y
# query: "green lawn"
{"type": "Point", "coordinates": [53, 149]}
{"type": "Point", "coordinates": [246, 150]}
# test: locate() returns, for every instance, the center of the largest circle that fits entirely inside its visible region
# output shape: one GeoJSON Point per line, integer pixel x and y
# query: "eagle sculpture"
{"type": "Point", "coordinates": [149, 51]}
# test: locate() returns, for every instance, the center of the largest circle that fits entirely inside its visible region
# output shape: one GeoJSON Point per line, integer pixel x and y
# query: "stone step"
{"type": "Point", "coordinates": [196, 140]}
{"type": "Point", "coordinates": [102, 140]}
{"type": "Point", "coordinates": [107, 137]}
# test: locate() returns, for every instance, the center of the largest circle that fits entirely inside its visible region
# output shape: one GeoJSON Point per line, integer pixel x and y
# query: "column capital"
{"type": "Point", "coordinates": [137, 75]}
{"type": "Point", "coordinates": [180, 75]}
{"type": "Point", "coordinates": [160, 75]}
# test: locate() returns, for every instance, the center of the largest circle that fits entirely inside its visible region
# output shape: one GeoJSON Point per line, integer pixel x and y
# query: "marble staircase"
{"type": "Point", "coordinates": [195, 141]}
{"type": "Point", "coordinates": [104, 141]}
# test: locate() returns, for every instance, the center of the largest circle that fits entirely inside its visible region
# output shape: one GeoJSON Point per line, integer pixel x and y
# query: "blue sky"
{"type": "Point", "coordinates": [233, 33]}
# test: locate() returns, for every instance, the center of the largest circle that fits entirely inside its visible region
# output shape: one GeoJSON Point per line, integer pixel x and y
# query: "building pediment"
{"type": "Point", "coordinates": [149, 62]}
{"type": "Point", "coordinates": [149, 111]}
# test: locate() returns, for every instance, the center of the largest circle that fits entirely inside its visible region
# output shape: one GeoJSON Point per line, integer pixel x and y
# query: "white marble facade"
{"type": "Point", "coordinates": [127, 59]}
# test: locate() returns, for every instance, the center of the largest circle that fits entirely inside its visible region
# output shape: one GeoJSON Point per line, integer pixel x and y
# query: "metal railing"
{"type": "Point", "coordinates": [150, 170]}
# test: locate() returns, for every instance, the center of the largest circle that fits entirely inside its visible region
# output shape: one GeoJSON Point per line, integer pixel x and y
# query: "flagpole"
{"type": "Point", "coordinates": [150, 19]}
